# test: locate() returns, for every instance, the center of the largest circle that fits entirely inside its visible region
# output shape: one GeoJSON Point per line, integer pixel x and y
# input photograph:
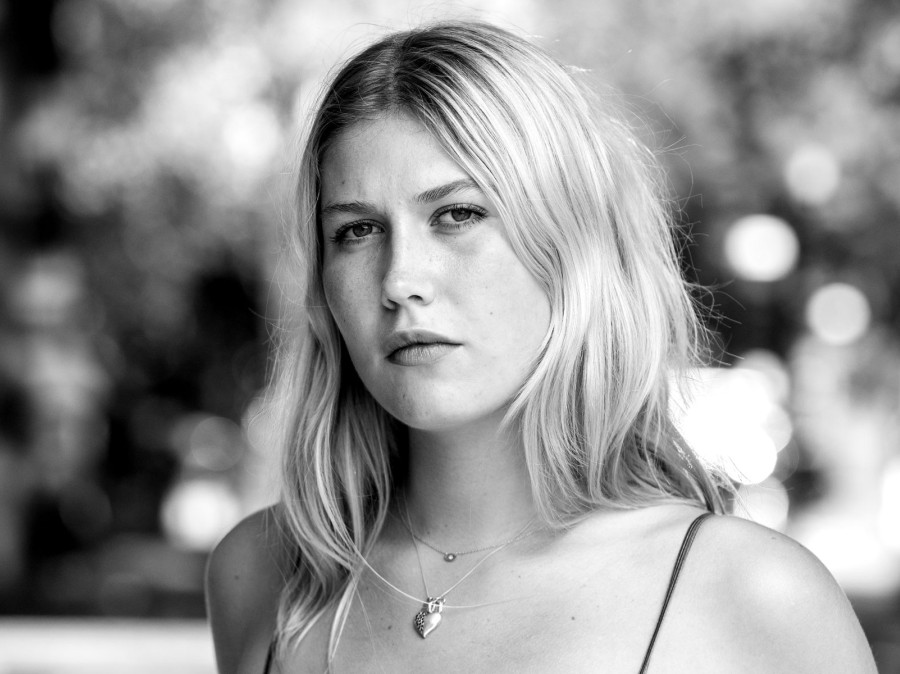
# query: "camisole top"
{"type": "Point", "coordinates": [686, 544]}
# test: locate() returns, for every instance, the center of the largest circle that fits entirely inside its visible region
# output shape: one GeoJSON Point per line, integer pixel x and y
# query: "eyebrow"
{"type": "Point", "coordinates": [426, 197]}
{"type": "Point", "coordinates": [437, 193]}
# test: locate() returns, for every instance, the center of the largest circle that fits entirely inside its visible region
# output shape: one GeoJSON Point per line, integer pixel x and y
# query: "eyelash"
{"type": "Point", "coordinates": [340, 237]}
{"type": "Point", "coordinates": [476, 214]}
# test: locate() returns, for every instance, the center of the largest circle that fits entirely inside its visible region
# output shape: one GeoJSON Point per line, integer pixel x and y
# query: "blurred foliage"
{"type": "Point", "coordinates": [147, 150]}
{"type": "Point", "coordinates": [737, 90]}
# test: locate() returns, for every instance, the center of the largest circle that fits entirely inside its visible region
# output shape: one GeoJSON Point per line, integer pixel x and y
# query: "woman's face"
{"type": "Point", "coordinates": [441, 319]}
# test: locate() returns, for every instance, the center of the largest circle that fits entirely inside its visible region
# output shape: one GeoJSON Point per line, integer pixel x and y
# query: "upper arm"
{"type": "Point", "coordinates": [243, 584]}
{"type": "Point", "coordinates": [778, 606]}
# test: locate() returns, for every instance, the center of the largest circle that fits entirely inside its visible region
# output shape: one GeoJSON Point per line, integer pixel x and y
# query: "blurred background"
{"type": "Point", "coordinates": [146, 149]}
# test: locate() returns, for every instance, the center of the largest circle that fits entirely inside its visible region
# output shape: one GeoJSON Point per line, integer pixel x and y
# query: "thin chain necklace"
{"type": "Point", "coordinates": [451, 556]}
{"type": "Point", "coordinates": [429, 616]}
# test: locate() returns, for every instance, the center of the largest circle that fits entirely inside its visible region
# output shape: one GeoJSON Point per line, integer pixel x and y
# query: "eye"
{"type": "Point", "coordinates": [360, 230]}
{"type": "Point", "coordinates": [354, 233]}
{"type": "Point", "coordinates": [459, 216]}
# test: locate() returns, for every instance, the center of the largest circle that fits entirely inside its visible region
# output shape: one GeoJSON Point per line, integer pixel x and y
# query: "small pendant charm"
{"type": "Point", "coordinates": [449, 556]}
{"type": "Point", "coordinates": [427, 620]}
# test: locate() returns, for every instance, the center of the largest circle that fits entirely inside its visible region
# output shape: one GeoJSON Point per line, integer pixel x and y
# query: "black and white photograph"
{"type": "Point", "coordinates": [481, 336]}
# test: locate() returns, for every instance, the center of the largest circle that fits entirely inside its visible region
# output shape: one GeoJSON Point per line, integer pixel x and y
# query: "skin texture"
{"type": "Point", "coordinates": [584, 599]}
{"type": "Point", "coordinates": [411, 243]}
{"type": "Point", "coordinates": [407, 263]}
{"type": "Point", "coordinates": [749, 600]}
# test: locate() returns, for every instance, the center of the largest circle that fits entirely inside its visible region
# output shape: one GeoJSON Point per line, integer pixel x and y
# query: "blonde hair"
{"type": "Point", "coordinates": [586, 213]}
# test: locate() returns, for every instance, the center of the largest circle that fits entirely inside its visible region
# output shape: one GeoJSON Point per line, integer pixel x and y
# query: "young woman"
{"type": "Point", "coordinates": [480, 473]}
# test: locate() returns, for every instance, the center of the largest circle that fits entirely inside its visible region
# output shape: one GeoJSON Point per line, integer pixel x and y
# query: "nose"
{"type": "Point", "coordinates": [407, 281]}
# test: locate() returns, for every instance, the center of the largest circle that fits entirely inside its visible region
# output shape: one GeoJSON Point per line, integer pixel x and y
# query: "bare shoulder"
{"type": "Point", "coordinates": [244, 577]}
{"type": "Point", "coordinates": [767, 601]}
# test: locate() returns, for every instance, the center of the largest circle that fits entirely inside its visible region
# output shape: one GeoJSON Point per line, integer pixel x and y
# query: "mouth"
{"type": "Point", "coordinates": [418, 347]}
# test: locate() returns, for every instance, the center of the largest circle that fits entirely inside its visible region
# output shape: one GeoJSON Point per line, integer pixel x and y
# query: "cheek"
{"type": "Point", "coordinates": [529, 319]}
{"type": "Point", "coordinates": [330, 287]}
{"type": "Point", "coordinates": [517, 300]}
{"type": "Point", "coordinates": [354, 300]}
{"type": "Point", "coordinates": [341, 299]}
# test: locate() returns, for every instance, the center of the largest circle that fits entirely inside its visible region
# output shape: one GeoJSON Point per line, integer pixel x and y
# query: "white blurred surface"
{"type": "Point", "coordinates": [82, 646]}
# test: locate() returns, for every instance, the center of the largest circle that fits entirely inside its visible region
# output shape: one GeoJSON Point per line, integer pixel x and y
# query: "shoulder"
{"type": "Point", "coordinates": [765, 599]}
{"type": "Point", "coordinates": [764, 568]}
{"type": "Point", "coordinates": [244, 577]}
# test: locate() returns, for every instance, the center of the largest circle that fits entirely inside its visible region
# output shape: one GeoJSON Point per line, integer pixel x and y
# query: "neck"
{"type": "Point", "coordinates": [467, 487]}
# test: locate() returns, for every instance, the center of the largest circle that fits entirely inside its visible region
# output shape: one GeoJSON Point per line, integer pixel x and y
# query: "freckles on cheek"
{"type": "Point", "coordinates": [334, 298]}
{"type": "Point", "coordinates": [329, 287]}
{"type": "Point", "coordinates": [345, 296]}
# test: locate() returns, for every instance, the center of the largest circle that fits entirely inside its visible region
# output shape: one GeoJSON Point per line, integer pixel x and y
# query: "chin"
{"type": "Point", "coordinates": [425, 413]}
{"type": "Point", "coordinates": [425, 417]}
{"type": "Point", "coordinates": [434, 402]}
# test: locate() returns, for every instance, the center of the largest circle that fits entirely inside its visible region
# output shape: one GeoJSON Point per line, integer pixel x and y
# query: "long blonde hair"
{"type": "Point", "coordinates": [585, 210]}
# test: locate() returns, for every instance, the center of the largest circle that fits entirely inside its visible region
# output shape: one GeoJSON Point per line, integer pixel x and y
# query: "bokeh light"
{"type": "Point", "coordinates": [889, 515]}
{"type": "Point", "coordinates": [774, 373]}
{"type": "Point", "coordinates": [734, 422]}
{"type": "Point", "coordinates": [765, 503]}
{"type": "Point", "coordinates": [838, 313]}
{"type": "Point", "coordinates": [761, 248]}
{"type": "Point", "coordinates": [750, 457]}
{"type": "Point", "coordinates": [197, 512]}
{"type": "Point", "coordinates": [854, 554]}
{"type": "Point", "coordinates": [812, 174]}
{"type": "Point", "coordinates": [251, 134]}
{"type": "Point", "coordinates": [48, 291]}
{"type": "Point", "coordinates": [148, 149]}
{"type": "Point", "coordinates": [208, 442]}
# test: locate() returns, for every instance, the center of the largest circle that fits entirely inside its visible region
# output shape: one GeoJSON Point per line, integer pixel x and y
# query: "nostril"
{"type": "Point", "coordinates": [399, 289]}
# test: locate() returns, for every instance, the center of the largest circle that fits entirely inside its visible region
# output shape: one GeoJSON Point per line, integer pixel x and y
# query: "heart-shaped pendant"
{"type": "Point", "coordinates": [425, 622]}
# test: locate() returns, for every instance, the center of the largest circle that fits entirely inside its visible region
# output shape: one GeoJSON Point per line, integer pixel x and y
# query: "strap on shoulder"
{"type": "Point", "coordinates": [269, 655]}
{"type": "Point", "coordinates": [676, 570]}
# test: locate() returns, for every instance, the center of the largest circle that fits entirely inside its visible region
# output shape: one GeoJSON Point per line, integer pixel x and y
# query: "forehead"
{"type": "Point", "coordinates": [392, 156]}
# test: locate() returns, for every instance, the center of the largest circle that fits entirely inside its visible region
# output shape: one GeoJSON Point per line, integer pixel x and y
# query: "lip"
{"type": "Point", "coordinates": [417, 347]}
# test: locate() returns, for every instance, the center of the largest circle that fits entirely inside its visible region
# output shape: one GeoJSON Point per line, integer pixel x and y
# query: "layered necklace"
{"type": "Point", "coordinates": [452, 556]}
{"type": "Point", "coordinates": [430, 615]}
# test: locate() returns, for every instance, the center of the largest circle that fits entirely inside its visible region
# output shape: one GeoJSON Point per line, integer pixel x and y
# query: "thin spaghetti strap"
{"type": "Point", "coordinates": [676, 570]}
{"type": "Point", "coordinates": [269, 655]}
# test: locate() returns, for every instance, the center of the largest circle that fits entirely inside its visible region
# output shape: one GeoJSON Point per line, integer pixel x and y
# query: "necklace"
{"type": "Point", "coordinates": [451, 556]}
{"type": "Point", "coordinates": [429, 616]}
